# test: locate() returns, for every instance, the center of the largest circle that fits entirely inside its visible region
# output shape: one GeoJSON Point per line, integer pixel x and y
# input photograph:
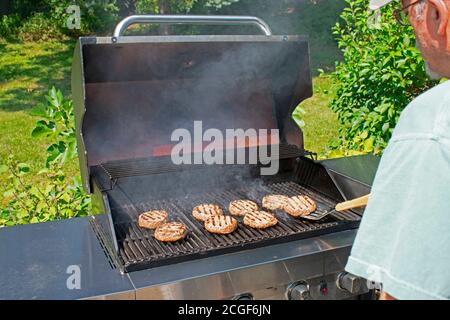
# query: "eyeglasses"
{"type": "Point", "coordinates": [401, 15]}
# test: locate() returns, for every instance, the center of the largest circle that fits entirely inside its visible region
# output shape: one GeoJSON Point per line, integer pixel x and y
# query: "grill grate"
{"type": "Point", "coordinates": [149, 166]}
{"type": "Point", "coordinates": [138, 248]}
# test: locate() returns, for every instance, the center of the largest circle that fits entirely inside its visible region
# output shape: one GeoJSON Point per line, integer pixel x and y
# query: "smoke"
{"type": "Point", "coordinates": [138, 93]}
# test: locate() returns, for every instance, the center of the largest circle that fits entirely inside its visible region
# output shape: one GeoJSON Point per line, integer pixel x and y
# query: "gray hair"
{"type": "Point", "coordinates": [419, 10]}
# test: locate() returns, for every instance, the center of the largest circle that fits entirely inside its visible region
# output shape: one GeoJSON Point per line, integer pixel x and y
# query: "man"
{"type": "Point", "coordinates": [404, 239]}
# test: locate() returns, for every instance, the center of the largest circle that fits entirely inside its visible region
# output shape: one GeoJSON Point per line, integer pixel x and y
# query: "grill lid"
{"type": "Point", "coordinates": [131, 93]}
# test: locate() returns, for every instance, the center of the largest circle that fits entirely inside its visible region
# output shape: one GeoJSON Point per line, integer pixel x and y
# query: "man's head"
{"type": "Point", "coordinates": [431, 22]}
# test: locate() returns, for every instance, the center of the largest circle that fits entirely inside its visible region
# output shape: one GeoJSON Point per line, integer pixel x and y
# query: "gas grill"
{"type": "Point", "coordinates": [131, 92]}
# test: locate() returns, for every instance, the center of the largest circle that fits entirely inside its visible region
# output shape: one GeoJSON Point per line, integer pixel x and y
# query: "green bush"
{"type": "Point", "coordinates": [97, 16]}
{"type": "Point", "coordinates": [9, 25]}
{"type": "Point", "coordinates": [180, 6]}
{"type": "Point", "coordinates": [26, 8]}
{"type": "Point", "coordinates": [57, 123]}
{"type": "Point", "coordinates": [381, 73]}
{"type": "Point", "coordinates": [39, 28]}
{"type": "Point", "coordinates": [54, 197]}
{"type": "Point", "coordinates": [47, 19]}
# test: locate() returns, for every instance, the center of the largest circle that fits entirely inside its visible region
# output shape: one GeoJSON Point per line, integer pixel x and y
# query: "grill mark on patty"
{"type": "Point", "coordinates": [300, 206]}
{"type": "Point", "coordinates": [204, 211]}
{"type": "Point", "coordinates": [171, 232]}
{"type": "Point", "coordinates": [241, 207]}
{"type": "Point", "coordinates": [260, 219]}
{"type": "Point", "coordinates": [221, 224]}
{"type": "Point", "coordinates": [274, 201]}
{"type": "Point", "coordinates": [152, 219]}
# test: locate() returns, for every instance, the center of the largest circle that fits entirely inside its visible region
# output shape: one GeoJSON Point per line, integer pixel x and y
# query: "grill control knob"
{"type": "Point", "coordinates": [299, 291]}
{"type": "Point", "coordinates": [243, 297]}
{"type": "Point", "coordinates": [349, 282]}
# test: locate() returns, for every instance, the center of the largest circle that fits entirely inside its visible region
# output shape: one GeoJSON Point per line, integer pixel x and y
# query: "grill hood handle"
{"type": "Point", "coordinates": [191, 19]}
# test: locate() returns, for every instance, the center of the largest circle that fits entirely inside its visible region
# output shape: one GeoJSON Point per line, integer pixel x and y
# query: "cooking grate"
{"type": "Point", "coordinates": [156, 165]}
{"type": "Point", "coordinates": [138, 249]}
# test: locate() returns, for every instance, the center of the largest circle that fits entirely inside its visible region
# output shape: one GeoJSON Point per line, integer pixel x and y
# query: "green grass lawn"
{"type": "Point", "coordinates": [28, 70]}
{"type": "Point", "coordinates": [321, 124]}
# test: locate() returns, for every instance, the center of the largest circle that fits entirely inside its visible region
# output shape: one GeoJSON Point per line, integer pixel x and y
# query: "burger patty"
{"type": "Point", "coordinates": [170, 232]}
{"type": "Point", "coordinates": [205, 211]}
{"type": "Point", "coordinates": [152, 219]}
{"type": "Point", "coordinates": [242, 207]}
{"type": "Point", "coordinates": [260, 219]}
{"type": "Point", "coordinates": [274, 202]}
{"type": "Point", "coordinates": [221, 224]}
{"type": "Point", "coordinates": [300, 206]}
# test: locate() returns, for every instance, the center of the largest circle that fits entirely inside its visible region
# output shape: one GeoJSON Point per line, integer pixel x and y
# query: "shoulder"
{"type": "Point", "coordinates": [428, 115]}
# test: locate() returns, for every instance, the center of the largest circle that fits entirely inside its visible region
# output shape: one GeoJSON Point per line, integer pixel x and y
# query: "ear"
{"type": "Point", "coordinates": [442, 15]}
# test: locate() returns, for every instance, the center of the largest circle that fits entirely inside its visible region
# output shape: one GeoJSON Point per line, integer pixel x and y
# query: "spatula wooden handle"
{"type": "Point", "coordinates": [351, 204]}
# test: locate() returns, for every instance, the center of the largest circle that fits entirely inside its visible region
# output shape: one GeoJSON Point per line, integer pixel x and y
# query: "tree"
{"type": "Point", "coordinates": [177, 6]}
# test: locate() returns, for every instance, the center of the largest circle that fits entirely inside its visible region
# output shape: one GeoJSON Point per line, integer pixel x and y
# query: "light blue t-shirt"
{"type": "Point", "coordinates": [404, 238]}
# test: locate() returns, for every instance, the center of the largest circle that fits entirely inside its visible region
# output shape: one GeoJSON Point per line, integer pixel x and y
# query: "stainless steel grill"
{"type": "Point", "coordinates": [131, 93]}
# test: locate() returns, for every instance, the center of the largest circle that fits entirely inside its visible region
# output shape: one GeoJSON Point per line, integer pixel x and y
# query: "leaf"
{"type": "Point", "coordinates": [369, 144]}
{"type": "Point", "coordinates": [55, 151]}
{"type": "Point", "coordinates": [34, 220]}
{"type": "Point", "coordinates": [40, 131]}
{"type": "Point", "coordinates": [41, 206]}
{"type": "Point", "coordinates": [406, 41]}
{"type": "Point", "coordinates": [3, 168]}
{"type": "Point", "coordinates": [43, 171]}
{"type": "Point", "coordinates": [23, 168]}
{"type": "Point", "coordinates": [8, 193]}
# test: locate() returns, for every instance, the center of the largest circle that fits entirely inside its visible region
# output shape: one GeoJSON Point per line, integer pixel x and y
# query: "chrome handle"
{"type": "Point", "coordinates": [191, 19]}
{"type": "Point", "coordinates": [349, 282]}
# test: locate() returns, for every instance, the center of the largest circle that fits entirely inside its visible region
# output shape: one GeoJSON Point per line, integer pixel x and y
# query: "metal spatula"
{"type": "Point", "coordinates": [347, 205]}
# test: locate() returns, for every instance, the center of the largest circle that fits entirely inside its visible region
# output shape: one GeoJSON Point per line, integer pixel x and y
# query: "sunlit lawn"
{"type": "Point", "coordinates": [321, 124]}
{"type": "Point", "coordinates": [27, 71]}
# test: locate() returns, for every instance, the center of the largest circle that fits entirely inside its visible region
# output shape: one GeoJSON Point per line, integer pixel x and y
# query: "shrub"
{"type": "Point", "coordinates": [47, 19]}
{"type": "Point", "coordinates": [97, 16]}
{"type": "Point", "coordinates": [180, 6]}
{"type": "Point", "coordinates": [9, 25]}
{"type": "Point", "coordinates": [55, 197]}
{"type": "Point", "coordinates": [381, 73]}
{"type": "Point", "coordinates": [57, 123]}
{"type": "Point", "coordinates": [39, 28]}
{"type": "Point", "coordinates": [26, 8]}
{"type": "Point", "coordinates": [218, 4]}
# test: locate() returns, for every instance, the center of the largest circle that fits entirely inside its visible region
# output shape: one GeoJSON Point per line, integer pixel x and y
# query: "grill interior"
{"type": "Point", "coordinates": [139, 250]}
